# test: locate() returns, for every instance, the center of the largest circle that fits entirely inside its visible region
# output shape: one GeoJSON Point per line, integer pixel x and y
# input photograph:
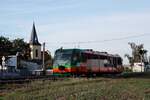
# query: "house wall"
{"type": "Point", "coordinates": [138, 67]}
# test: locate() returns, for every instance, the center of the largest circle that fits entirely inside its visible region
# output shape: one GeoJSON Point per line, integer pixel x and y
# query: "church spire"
{"type": "Point", "coordinates": [34, 38]}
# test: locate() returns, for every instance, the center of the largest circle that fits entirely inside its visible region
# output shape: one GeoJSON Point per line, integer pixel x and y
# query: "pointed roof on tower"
{"type": "Point", "coordinates": [34, 38]}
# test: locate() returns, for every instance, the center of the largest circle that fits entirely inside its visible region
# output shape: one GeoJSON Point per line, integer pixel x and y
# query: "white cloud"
{"type": "Point", "coordinates": [93, 28]}
{"type": "Point", "coordinates": [78, 28]}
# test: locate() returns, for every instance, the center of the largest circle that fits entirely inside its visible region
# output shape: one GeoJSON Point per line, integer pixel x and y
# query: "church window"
{"type": "Point", "coordinates": [36, 53]}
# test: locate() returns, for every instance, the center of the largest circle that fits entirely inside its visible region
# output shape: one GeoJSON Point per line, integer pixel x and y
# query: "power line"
{"type": "Point", "coordinates": [102, 41]}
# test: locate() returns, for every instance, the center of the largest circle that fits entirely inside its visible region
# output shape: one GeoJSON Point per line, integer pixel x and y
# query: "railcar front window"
{"type": "Point", "coordinates": [62, 58]}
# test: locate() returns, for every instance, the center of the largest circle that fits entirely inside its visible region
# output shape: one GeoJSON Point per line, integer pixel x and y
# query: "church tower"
{"type": "Point", "coordinates": [35, 46]}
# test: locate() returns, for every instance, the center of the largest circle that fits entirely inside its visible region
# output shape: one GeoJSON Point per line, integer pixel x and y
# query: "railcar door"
{"type": "Point", "coordinates": [75, 61]}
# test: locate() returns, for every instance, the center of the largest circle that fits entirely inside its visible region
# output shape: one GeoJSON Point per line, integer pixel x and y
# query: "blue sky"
{"type": "Point", "coordinates": [60, 21]}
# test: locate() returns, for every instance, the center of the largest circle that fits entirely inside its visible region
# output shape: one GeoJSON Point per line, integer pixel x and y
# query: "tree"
{"type": "Point", "coordinates": [5, 46]}
{"type": "Point", "coordinates": [8, 47]}
{"type": "Point", "coordinates": [19, 45]}
{"type": "Point", "coordinates": [131, 61]}
{"type": "Point", "coordinates": [138, 53]}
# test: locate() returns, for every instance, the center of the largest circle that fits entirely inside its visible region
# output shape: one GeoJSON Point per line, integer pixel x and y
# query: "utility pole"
{"type": "Point", "coordinates": [17, 61]}
{"type": "Point", "coordinates": [141, 62]}
{"type": "Point", "coordinates": [44, 58]}
{"type": "Point", "coordinates": [149, 60]}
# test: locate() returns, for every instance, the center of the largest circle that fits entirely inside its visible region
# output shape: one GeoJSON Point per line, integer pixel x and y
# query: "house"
{"type": "Point", "coordinates": [138, 67]}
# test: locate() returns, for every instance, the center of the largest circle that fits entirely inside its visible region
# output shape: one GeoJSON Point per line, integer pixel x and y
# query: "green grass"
{"type": "Point", "coordinates": [83, 89]}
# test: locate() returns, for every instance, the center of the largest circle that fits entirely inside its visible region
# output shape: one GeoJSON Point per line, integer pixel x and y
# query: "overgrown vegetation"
{"type": "Point", "coordinates": [84, 89]}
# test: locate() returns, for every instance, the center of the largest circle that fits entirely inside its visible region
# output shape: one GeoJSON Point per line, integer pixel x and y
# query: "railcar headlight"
{"type": "Point", "coordinates": [61, 67]}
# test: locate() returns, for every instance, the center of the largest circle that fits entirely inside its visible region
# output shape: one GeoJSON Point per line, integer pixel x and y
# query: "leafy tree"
{"type": "Point", "coordinates": [5, 45]}
{"type": "Point", "coordinates": [8, 47]}
{"type": "Point", "coordinates": [131, 60]}
{"type": "Point", "coordinates": [138, 54]}
{"type": "Point", "coordinates": [19, 45]}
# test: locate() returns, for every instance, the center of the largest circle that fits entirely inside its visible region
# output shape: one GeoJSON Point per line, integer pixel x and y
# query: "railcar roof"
{"type": "Point", "coordinates": [90, 51]}
{"type": "Point", "coordinates": [101, 53]}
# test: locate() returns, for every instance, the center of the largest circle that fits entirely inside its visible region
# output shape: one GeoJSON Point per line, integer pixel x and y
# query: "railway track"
{"type": "Point", "coordinates": [22, 80]}
{"type": "Point", "coordinates": [28, 79]}
{"type": "Point", "coordinates": [18, 81]}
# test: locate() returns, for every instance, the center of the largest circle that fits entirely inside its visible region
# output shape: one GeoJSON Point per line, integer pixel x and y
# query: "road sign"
{"type": "Point", "coordinates": [3, 58]}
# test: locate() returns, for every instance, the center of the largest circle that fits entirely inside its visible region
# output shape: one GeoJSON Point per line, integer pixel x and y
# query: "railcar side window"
{"type": "Point", "coordinates": [119, 61]}
{"type": "Point", "coordinates": [106, 63]}
{"type": "Point", "coordinates": [83, 57]}
{"type": "Point", "coordinates": [76, 58]}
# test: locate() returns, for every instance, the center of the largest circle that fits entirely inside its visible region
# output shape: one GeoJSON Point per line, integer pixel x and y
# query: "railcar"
{"type": "Point", "coordinates": [85, 62]}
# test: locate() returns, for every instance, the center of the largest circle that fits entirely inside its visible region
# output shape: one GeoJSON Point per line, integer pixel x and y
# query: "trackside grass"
{"type": "Point", "coordinates": [83, 89]}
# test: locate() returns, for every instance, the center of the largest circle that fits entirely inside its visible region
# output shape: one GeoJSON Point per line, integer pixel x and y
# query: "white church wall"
{"type": "Point", "coordinates": [33, 51]}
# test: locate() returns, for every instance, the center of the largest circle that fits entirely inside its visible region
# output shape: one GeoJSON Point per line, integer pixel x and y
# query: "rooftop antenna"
{"type": "Point", "coordinates": [44, 57]}
{"type": "Point", "coordinates": [78, 45]}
